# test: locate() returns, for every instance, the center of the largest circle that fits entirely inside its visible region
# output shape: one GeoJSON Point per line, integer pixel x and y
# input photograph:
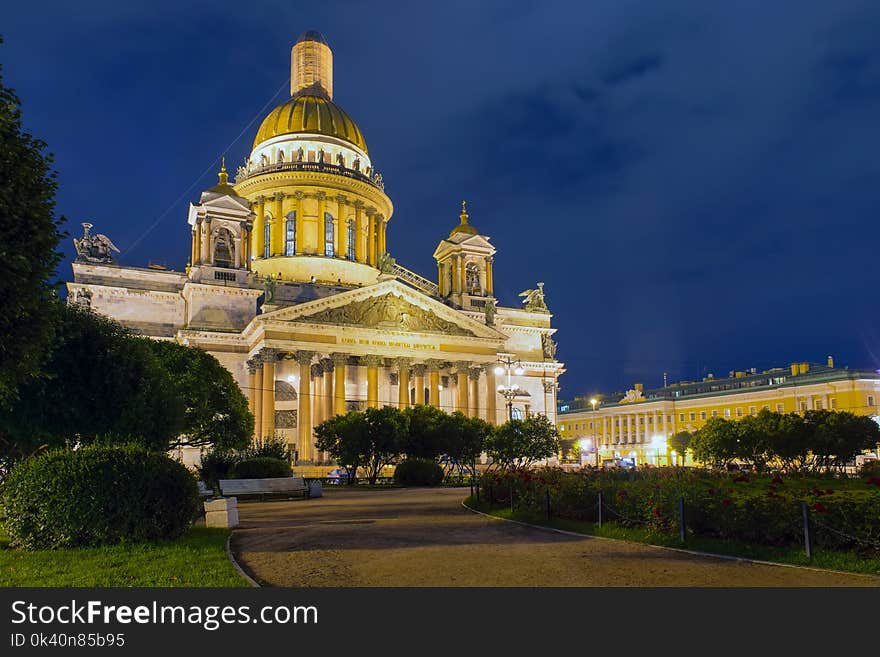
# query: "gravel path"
{"type": "Point", "coordinates": [424, 537]}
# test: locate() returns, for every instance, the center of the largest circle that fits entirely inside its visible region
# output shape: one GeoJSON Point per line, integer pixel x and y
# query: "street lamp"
{"type": "Point", "coordinates": [593, 403]}
{"type": "Point", "coordinates": [511, 390]}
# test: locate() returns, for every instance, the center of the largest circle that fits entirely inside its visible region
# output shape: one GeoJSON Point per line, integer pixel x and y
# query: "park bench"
{"type": "Point", "coordinates": [281, 486]}
{"type": "Point", "coordinates": [204, 491]}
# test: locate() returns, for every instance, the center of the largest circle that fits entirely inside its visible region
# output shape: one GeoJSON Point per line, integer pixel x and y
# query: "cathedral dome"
{"type": "Point", "coordinates": [310, 112]}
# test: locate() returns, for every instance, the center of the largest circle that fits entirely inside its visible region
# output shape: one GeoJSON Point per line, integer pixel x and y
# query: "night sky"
{"type": "Point", "coordinates": [697, 183]}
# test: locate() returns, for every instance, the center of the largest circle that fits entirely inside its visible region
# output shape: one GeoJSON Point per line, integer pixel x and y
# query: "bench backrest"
{"type": "Point", "coordinates": [255, 486]}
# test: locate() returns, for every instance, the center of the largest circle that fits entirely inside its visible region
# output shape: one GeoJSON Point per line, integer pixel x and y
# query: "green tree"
{"type": "Point", "coordinates": [464, 439]}
{"type": "Point", "coordinates": [838, 436]}
{"type": "Point", "coordinates": [681, 442]}
{"type": "Point", "coordinates": [343, 437]}
{"type": "Point", "coordinates": [215, 410]}
{"type": "Point", "coordinates": [425, 437]}
{"type": "Point", "coordinates": [753, 443]}
{"type": "Point", "coordinates": [384, 436]}
{"type": "Point", "coordinates": [102, 384]}
{"type": "Point", "coordinates": [518, 444]}
{"type": "Point", "coordinates": [715, 443]}
{"type": "Point", "coordinates": [28, 250]}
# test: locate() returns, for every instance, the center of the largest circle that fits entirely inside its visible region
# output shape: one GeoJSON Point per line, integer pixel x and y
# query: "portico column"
{"type": "Point", "coordinates": [628, 428]}
{"type": "Point", "coordinates": [491, 394]}
{"type": "Point", "coordinates": [205, 241]}
{"type": "Point", "coordinates": [372, 363]}
{"type": "Point", "coordinates": [194, 252]}
{"type": "Point", "coordinates": [461, 377]}
{"type": "Point", "coordinates": [403, 381]}
{"type": "Point", "coordinates": [474, 396]}
{"type": "Point", "coordinates": [329, 398]}
{"type": "Point", "coordinates": [419, 382]}
{"type": "Point", "coordinates": [339, 363]}
{"type": "Point", "coordinates": [322, 229]}
{"type": "Point", "coordinates": [317, 374]}
{"type": "Point", "coordinates": [256, 387]}
{"type": "Point", "coordinates": [304, 419]}
{"type": "Point", "coordinates": [268, 426]}
{"type": "Point", "coordinates": [434, 383]}
{"type": "Point", "coordinates": [456, 278]}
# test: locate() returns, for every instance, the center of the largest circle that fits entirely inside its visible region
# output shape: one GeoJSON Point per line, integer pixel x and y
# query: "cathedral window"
{"type": "Point", "coordinates": [267, 238]}
{"type": "Point", "coordinates": [350, 241]}
{"type": "Point", "coordinates": [472, 279]}
{"type": "Point", "coordinates": [290, 235]}
{"type": "Point", "coordinates": [328, 234]}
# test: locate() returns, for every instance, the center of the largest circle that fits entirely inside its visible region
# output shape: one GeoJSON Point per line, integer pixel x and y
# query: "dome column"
{"type": "Point", "coordinates": [381, 223]}
{"type": "Point", "coordinates": [359, 232]}
{"type": "Point", "coordinates": [371, 237]}
{"type": "Point", "coordinates": [277, 233]}
{"type": "Point", "coordinates": [322, 228]}
{"type": "Point", "coordinates": [341, 233]}
{"type": "Point", "coordinates": [300, 223]}
{"type": "Point", "coordinates": [257, 233]}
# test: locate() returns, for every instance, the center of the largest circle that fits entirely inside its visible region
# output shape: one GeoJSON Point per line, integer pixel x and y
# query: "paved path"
{"type": "Point", "coordinates": [423, 537]}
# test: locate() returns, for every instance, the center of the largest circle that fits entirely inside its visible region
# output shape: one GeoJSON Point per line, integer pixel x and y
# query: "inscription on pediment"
{"type": "Point", "coordinates": [388, 312]}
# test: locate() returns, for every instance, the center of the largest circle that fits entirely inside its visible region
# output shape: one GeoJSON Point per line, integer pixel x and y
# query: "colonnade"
{"type": "Point", "coordinates": [632, 428]}
{"type": "Point", "coordinates": [204, 239]}
{"type": "Point", "coordinates": [452, 275]}
{"type": "Point", "coordinates": [320, 384]}
{"type": "Point", "coordinates": [369, 227]}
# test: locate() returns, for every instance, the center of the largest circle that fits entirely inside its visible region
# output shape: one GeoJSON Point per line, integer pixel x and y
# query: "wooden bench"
{"type": "Point", "coordinates": [276, 486]}
{"type": "Point", "coordinates": [204, 491]}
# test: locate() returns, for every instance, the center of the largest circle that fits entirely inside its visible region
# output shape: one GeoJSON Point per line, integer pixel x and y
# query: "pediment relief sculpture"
{"type": "Point", "coordinates": [390, 312]}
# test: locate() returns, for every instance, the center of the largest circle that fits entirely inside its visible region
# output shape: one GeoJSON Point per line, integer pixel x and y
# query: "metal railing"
{"type": "Point", "coordinates": [419, 282]}
{"type": "Point", "coordinates": [320, 167]}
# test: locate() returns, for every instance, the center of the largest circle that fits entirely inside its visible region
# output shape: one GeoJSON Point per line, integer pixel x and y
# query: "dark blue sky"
{"type": "Point", "coordinates": [697, 183]}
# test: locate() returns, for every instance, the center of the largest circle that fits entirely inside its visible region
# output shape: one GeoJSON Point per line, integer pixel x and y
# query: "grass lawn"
{"type": "Point", "coordinates": [196, 559]}
{"type": "Point", "coordinates": [822, 558]}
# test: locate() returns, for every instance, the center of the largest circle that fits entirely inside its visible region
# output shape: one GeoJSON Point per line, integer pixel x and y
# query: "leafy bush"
{"type": "Point", "coordinates": [216, 465]}
{"type": "Point", "coordinates": [418, 472]}
{"type": "Point", "coordinates": [870, 469]}
{"type": "Point", "coordinates": [98, 495]}
{"type": "Point", "coordinates": [270, 447]}
{"type": "Point", "coordinates": [263, 467]}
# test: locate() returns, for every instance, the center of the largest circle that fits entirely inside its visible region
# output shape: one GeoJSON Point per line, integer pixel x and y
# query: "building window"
{"type": "Point", "coordinates": [870, 400]}
{"type": "Point", "coordinates": [819, 405]}
{"type": "Point", "coordinates": [702, 415]}
{"type": "Point", "coordinates": [350, 254]}
{"type": "Point", "coordinates": [739, 412]}
{"type": "Point", "coordinates": [267, 238]}
{"type": "Point", "coordinates": [715, 413]}
{"type": "Point", "coordinates": [726, 412]}
{"type": "Point", "coordinates": [669, 419]}
{"type": "Point", "coordinates": [681, 417]}
{"type": "Point", "coordinates": [693, 416]}
{"type": "Point", "coordinates": [833, 402]}
{"type": "Point", "coordinates": [780, 408]}
{"type": "Point", "coordinates": [328, 234]}
{"type": "Point", "coordinates": [803, 406]}
{"type": "Point", "coordinates": [290, 235]}
{"type": "Point", "coordinates": [753, 410]}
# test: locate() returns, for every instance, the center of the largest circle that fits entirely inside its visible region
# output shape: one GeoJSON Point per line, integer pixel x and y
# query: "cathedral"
{"type": "Point", "coordinates": [290, 285]}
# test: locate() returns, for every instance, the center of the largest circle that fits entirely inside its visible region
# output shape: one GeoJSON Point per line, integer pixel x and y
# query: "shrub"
{"type": "Point", "coordinates": [262, 467]}
{"type": "Point", "coordinates": [98, 495]}
{"type": "Point", "coordinates": [870, 469]}
{"type": "Point", "coordinates": [216, 466]}
{"type": "Point", "coordinates": [418, 472]}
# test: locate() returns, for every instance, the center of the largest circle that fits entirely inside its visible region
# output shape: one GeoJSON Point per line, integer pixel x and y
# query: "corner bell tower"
{"type": "Point", "coordinates": [464, 266]}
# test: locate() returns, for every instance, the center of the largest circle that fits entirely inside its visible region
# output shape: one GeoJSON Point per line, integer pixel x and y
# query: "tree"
{"type": "Point", "coordinates": [518, 444]}
{"type": "Point", "coordinates": [384, 436]}
{"type": "Point", "coordinates": [28, 250]}
{"type": "Point", "coordinates": [716, 442]}
{"type": "Point", "coordinates": [753, 440]}
{"type": "Point", "coordinates": [425, 437]}
{"type": "Point", "coordinates": [464, 439]}
{"type": "Point", "coordinates": [838, 436]}
{"type": "Point", "coordinates": [215, 410]}
{"type": "Point", "coordinates": [680, 442]}
{"type": "Point", "coordinates": [343, 437]}
{"type": "Point", "coordinates": [102, 384]}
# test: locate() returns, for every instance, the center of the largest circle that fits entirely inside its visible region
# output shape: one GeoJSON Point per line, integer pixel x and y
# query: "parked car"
{"type": "Point", "coordinates": [337, 476]}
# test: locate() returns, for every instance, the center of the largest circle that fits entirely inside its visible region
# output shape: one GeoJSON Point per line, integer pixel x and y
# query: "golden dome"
{"type": "Point", "coordinates": [464, 226]}
{"type": "Point", "coordinates": [310, 113]}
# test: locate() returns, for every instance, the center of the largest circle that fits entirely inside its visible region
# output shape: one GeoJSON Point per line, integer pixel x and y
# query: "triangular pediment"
{"type": "Point", "coordinates": [226, 202]}
{"type": "Point", "coordinates": [389, 305]}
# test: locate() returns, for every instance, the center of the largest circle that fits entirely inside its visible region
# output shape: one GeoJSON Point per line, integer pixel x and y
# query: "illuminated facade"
{"type": "Point", "coordinates": [638, 423]}
{"type": "Point", "coordinates": [290, 285]}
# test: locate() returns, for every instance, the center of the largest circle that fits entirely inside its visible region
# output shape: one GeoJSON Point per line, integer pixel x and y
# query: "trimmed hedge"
{"type": "Point", "coordinates": [98, 495]}
{"type": "Point", "coordinates": [263, 467]}
{"type": "Point", "coordinates": [418, 472]}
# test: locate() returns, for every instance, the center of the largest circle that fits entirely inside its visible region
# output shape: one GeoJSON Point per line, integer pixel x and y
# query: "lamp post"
{"type": "Point", "coordinates": [509, 391]}
{"type": "Point", "coordinates": [593, 403]}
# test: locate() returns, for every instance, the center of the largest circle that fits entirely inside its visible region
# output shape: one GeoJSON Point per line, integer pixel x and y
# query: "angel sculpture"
{"type": "Point", "coordinates": [534, 299]}
{"type": "Point", "coordinates": [94, 248]}
{"type": "Point", "coordinates": [386, 263]}
{"type": "Point", "coordinates": [490, 312]}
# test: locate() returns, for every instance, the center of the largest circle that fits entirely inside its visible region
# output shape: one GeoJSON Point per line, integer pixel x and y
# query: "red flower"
{"type": "Point", "coordinates": [772, 488]}
{"type": "Point", "coordinates": [818, 507]}
{"type": "Point", "coordinates": [726, 501]}
{"type": "Point", "coordinates": [711, 491]}
{"type": "Point", "coordinates": [656, 512]}
{"type": "Point", "coordinates": [622, 493]}
{"type": "Point", "coordinates": [874, 480]}
{"type": "Point", "coordinates": [777, 479]}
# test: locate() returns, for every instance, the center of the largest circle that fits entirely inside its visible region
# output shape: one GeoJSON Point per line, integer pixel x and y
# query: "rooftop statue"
{"type": "Point", "coordinates": [533, 300]}
{"type": "Point", "coordinates": [269, 289]}
{"type": "Point", "coordinates": [386, 263]}
{"type": "Point", "coordinates": [94, 248]}
{"type": "Point", "coordinates": [490, 312]}
{"type": "Point", "coordinates": [548, 346]}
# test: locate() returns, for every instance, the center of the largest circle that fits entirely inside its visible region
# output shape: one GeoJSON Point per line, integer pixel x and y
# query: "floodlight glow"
{"type": "Point", "coordinates": [586, 443]}
{"type": "Point", "coordinates": [499, 370]}
{"type": "Point", "coordinates": [500, 388]}
{"type": "Point", "coordinates": [519, 371]}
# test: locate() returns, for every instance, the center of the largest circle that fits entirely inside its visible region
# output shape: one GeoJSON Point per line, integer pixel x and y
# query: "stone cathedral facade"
{"type": "Point", "coordinates": [291, 287]}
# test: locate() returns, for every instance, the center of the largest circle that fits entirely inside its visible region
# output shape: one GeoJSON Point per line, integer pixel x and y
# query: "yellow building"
{"type": "Point", "coordinates": [291, 286]}
{"type": "Point", "coordinates": [637, 424]}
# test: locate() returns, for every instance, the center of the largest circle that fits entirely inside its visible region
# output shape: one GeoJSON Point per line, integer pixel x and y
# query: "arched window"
{"type": "Point", "coordinates": [472, 278]}
{"type": "Point", "coordinates": [290, 234]}
{"type": "Point", "coordinates": [267, 237]}
{"type": "Point", "coordinates": [351, 244]}
{"type": "Point", "coordinates": [328, 234]}
{"type": "Point", "coordinates": [223, 248]}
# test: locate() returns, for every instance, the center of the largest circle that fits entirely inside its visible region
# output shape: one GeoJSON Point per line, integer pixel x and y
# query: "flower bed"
{"type": "Point", "coordinates": [761, 510]}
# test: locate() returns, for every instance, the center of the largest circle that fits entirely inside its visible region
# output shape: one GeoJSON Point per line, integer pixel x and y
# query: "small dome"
{"type": "Point", "coordinates": [310, 112]}
{"type": "Point", "coordinates": [313, 35]}
{"type": "Point", "coordinates": [464, 226]}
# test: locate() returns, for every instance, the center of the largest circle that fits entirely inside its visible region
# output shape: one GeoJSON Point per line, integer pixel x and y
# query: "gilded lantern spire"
{"type": "Point", "coordinates": [311, 65]}
{"type": "Point", "coordinates": [464, 226]}
{"type": "Point", "coordinates": [222, 176]}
